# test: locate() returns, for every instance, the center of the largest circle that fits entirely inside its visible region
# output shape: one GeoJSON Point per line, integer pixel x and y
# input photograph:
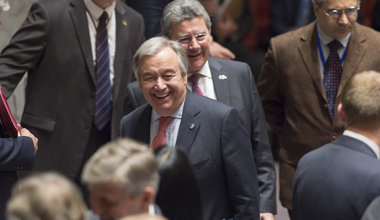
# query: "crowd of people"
{"type": "Point", "coordinates": [169, 110]}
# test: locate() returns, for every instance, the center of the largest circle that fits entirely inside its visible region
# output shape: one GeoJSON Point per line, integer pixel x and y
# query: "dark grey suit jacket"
{"type": "Point", "coordinates": [336, 181]}
{"type": "Point", "coordinates": [237, 89]}
{"type": "Point", "coordinates": [219, 150]}
{"type": "Point", "coordinates": [53, 44]}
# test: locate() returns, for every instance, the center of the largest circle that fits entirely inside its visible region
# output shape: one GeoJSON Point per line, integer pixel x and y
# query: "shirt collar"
{"type": "Point", "coordinates": [96, 11]}
{"type": "Point", "coordinates": [177, 114]}
{"type": "Point", "coordinates": [325, 39]}
{"type": "Point", "coordinates": [205, 70]}
{"type": "Point", "coordinates": [364, 139]}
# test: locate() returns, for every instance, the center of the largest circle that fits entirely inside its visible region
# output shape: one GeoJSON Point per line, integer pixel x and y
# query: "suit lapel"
{"type": "Point", "coordinates": [144, 125]}
{"type": "Point", "coordinates": [220, 80]}
{"type": "Point", "coordinates": [190, 124]}
{"type": "Point", "coordinates": [355, 53]}
{"type": "Point", "coordinates": [308, 50]}
{"type": "Point", "coordinates": [79, 18]}
{"type": "Point", "coordinates": [120, 49]}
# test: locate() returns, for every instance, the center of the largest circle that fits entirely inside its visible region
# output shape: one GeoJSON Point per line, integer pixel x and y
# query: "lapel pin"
{"type": "Point", "coordinates": [125, 23]}
{"type": "Point", "coordinates": [192, 126]}
{"type": "Point", "coordinates": [222, 77]}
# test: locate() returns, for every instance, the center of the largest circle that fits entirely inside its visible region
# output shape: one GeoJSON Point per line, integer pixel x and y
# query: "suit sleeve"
{"type": "Point", "coordinates": [240, 168]}
{"type": "Point", "coordinates": [262, 153]}
{"type": "Point", "coordinates": [25, 48]}
{"type": "Point", "coordinates": [16, 154]}
{"type": "Point", "coordinates": [130, 103]}
{"type": "Point", "coordinates": [271, 92]}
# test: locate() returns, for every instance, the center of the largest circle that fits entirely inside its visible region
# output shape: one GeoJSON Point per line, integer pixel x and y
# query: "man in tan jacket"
{"type": "Point", "coordinates": [295, 80]}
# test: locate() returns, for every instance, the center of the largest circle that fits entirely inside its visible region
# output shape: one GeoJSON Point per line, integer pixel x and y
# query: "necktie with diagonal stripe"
{"type": "Point", "coordinates": [103, 83]}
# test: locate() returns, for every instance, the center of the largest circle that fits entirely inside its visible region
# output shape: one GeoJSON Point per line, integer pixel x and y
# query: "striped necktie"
{"type": "Point", "coordinates": [103, 83]}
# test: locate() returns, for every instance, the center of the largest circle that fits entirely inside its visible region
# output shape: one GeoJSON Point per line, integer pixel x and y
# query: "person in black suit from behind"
{"type": "Point", "coordinates": [15, 153]}
{"type": "Point", "coordinates": [178, 193]}
{"type": "Point", "coordinates": [340, 179]}
{"type": "Point", "coordinates": [210, 133]}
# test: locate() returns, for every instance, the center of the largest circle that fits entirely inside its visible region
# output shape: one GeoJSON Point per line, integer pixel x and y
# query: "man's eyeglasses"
{"type": "Point", "coordinates": [336, 13]}
{"type": "Point", "coordinates": [187, 39]}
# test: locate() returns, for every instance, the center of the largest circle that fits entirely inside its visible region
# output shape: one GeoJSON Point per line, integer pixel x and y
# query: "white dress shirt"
{"type": "Point", "coordinates": [93, 14]}
{"type": "Point", "coordinates": [205, 82]}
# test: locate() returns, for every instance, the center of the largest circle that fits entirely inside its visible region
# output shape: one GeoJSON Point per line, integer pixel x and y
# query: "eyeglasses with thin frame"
{"type": "Point", "coordinates": [186, 39]}
{"type": "Point", "coordinates": [336, 13]}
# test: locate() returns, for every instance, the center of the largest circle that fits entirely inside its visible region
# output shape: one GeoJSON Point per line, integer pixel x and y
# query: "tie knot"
{"type": "Point", "coordinates": [103, 18]}
{"type": "Point", "coordinates": [334, 45]}
{"type": "Point", "coordinates": [194, 78]}
{"type": "Point", "coordinates": [164, 121]}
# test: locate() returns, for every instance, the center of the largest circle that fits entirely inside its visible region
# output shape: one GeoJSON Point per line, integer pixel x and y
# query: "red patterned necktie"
{"type": "Point", "coordinates": [160, 138]}
{"type": "Point", "coordinates": [194, 83]}
{"type": "Point", "coordinates": [333, 72]}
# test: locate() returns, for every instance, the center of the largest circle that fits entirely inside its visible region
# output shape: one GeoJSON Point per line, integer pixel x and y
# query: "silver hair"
{"type": "Point", "coordinates": [124, 162]}
{"type": "Point", "coordinates": [319, 2]}
{"type": "Point", "coordinates": [153, 46]}
{"type": "Point", "coordinates": [180, 10]}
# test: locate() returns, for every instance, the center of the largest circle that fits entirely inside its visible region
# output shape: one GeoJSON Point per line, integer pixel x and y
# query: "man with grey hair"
{"type": "Point", "coordinates": [122, 178]}
{"type": "Point", "coordinates": [229, 82]}
{"type": "Point", "coordinates": [210, 133]}
{"type": "Point", "coordinates": [340, 179]}
{"type": "Point", "coordinates": [302, 79]}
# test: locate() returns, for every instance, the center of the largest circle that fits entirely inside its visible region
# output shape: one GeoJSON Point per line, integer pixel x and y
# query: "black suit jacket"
{"type": "Point", "coordinates": [15, 154]}
{"type": "Point", "coordinates": [336, 181]}
{"type": "Point", "coordinates": [53, 45]}
{"type": "Point", "coordinates": [234, 86]}
{"type": "Point", "coordinates": [219, 150]}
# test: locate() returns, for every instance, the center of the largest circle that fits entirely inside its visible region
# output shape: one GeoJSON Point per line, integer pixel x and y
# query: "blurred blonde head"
{"type": "Point", "coordinates": [46, 196]}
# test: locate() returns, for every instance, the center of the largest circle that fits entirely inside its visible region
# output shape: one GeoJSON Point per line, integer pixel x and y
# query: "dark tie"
{"type": "Point", "coordinates": [333, 72]}
{"type": "Point", "coordinates": [160, 138]}
{"type": "Point", "coordinates": [103, 84]}
{"type": "Point", "coordinates": [194, 83]}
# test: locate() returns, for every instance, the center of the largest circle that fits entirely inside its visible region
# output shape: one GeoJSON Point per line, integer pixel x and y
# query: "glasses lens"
{"type": "Point", "coordinates": [350, 11]}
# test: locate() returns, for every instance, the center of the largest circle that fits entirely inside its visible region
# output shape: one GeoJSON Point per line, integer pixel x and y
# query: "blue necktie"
{"type": "Point", "coordinates": [103, 83]}
{"type": "Point", "coordinates": [333, 72]}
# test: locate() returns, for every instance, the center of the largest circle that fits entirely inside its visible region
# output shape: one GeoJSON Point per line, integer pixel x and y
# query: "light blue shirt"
{"type": "Point", "coordinates": [325, 40]}
{"type": "Point", "coordinates": [171, 130]}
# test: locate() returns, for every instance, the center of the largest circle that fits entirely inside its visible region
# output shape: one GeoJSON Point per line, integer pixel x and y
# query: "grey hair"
{"type": "Point", "coordinates": [180, 10]}
{"type": "Point", "coordinates": [153, 46]}
{"type": "Point", "coordinates": [319, 2]}
{"type": "Point", "coordinates": [124, 162]}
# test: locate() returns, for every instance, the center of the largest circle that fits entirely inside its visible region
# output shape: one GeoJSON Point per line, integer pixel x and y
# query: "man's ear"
{"type": "Point", "coordinates": [342, 114]}
{"type": "Point", "coordinates": [148, 197]}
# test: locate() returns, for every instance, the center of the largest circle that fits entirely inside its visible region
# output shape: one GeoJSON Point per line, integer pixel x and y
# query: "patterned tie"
{"type": "Point", "coordinates": [194, 83]}
{"type": "Point", "coordinates": [160, 138]}
{"type": "Point", "coordinates": [103, 83]}
{"type": "Point", "coordinates": [333, 72]}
